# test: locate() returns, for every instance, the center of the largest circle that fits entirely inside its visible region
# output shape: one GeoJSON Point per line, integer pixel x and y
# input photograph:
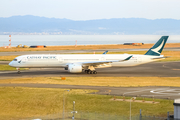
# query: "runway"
{"type": "Point", "coordinates": [154, 69]}
{"type": "Point", "coordinates": [147, 92]}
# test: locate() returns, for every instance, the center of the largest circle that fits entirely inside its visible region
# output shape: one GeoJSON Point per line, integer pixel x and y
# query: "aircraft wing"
{"type": "Point", "coordinates": [95, 63]}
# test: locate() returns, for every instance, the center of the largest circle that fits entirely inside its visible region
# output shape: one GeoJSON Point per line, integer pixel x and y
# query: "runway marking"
{"type": "Point", "coordinates": [165, 66]}
{"type": "Point", "coordinates": [166, 92]}
{"type": "Point", "coordinates": [175, 69]}
{"type": "Point", "coordinates": [170, 68]}
{"type": "Point", "coordinates": [159, 92]}
{"type": "Point", "coordinates": [8, 72]}
{"type": "Point", "coordinates": [137, 91]}
{"type": "Point", "coordinates": [158, 95]}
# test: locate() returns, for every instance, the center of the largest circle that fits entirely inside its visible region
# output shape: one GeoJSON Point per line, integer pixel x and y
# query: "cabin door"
{"type": "Point", "coordinates": [61, 59]}
{"type": "Point", "coordinates": [103, 59]}
{"type": "Point", "coordinates": [139, 59]}
{"type": "Point", "coordinates": [24, 60]}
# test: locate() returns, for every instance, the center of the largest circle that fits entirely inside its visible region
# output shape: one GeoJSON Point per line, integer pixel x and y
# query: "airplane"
{"type": "Point", "coordinates": [77, 63]}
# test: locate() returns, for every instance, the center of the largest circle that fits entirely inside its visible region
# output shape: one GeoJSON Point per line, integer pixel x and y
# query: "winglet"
{"type": "Point", "coordinates": [105, 52]}
{"type": "Point", "coordinates": [127, 58]}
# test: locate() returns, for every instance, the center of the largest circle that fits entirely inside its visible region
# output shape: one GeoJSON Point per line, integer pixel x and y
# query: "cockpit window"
{"type": "Point", "coordinates": [15, 60]}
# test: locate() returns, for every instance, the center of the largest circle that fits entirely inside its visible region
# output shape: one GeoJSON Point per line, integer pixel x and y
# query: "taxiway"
{"type": "Point", "coordinates": [147, 92]}
{"type": "Point", "coordinates": [154, 69]}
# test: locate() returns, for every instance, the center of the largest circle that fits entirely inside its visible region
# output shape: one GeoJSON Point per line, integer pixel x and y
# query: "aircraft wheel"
{"type": "Point", "coordinates": [88, 71]}
{"type": "Point", "coordinates": [19, 72]}
{"type": "Point", "coordinates": [91, 72]}
{"type": "Point", "coordinates": [94, 72]}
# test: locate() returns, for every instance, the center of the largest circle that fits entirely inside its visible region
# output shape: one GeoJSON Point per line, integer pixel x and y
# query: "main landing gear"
{"type": "Point", "coordinates": [90, 71]}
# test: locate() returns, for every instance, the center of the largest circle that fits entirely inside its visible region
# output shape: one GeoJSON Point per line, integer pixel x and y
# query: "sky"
{"type": "Point", "coordinates": [92, 9]}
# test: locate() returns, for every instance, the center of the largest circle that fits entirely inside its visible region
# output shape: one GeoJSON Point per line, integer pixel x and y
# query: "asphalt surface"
{"type": "Point", "coordinates": [5, 62]}
{"type": "Point", "coordinates": [147, 92]}
{"type": "Point", "coordinates": [158, 69]}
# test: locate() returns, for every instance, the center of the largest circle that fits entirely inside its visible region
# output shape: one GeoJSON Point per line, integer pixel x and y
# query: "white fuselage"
{"type": "Point", "coordinates": [76, 63]}
{"type": "Point", "coordinates": [62, 60]}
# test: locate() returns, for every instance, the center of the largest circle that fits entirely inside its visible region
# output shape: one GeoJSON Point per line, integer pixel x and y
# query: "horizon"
{"type": "Point", "coordinates": [89, 19]}
{"type": "Point", "coordinates": [92, 9]}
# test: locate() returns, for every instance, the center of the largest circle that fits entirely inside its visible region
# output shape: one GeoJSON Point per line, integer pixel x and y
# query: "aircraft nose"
{"type": "Point", "coordinates": [10, 64]}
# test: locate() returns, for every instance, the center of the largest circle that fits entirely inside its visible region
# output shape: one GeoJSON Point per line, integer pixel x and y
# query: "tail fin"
{"type": "Point", "coordinates": [158, 47]}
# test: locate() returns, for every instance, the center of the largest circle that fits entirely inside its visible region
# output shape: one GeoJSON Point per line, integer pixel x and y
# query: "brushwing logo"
{"type": "Point", "coordinates": [156, 50]}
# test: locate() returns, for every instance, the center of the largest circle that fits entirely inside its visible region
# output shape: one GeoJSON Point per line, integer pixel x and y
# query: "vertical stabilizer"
{"type": "Point", "coordinates": [158, 47]}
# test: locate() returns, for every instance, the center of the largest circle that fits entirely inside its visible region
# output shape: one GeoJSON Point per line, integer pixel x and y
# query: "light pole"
{"type": "Point", "coordinates": [64, 102]}
{"type": "Point", "coordinates": [73, 112]}
{"type": "Point", "coordinates": [130, 106]}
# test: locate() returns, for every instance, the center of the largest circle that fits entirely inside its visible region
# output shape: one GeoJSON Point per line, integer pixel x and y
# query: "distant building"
{"type": "Point", "coordinates": [176, 109]}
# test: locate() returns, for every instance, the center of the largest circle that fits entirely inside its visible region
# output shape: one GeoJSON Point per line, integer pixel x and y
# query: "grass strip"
{"type": "Point", "coordinates": [85, 47]}
{"type": "Point", "coordinates": [20, 103]}
{"type": "Point", "coordinates": [6, 68]}
{"type": "Point", "coordinates": [9, 68]}
{"type": "Point", "coordinates": [101, 81]}
{"type": "Point", "coordinates": [8, 58]}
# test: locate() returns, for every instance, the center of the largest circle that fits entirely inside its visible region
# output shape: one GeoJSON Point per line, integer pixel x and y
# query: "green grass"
{"type": "Point", "coordinates": [8, 58]}
{"type": "Point", "coordinates": [101, 81]}
{"type": "Point", "coordinates": [19, 103]}
{"type": "Point", "coordinates": [6, 67]}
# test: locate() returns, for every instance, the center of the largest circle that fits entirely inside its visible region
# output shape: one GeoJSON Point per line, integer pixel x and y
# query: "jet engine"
{"type": "Point", "coordinates": [75, 68]}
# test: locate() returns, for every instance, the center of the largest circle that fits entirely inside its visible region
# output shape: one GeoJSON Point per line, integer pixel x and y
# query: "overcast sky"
{"type": "Point", "coordinates": [92, 9]}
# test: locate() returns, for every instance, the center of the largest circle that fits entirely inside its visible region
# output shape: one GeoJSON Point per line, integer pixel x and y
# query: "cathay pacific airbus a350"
{"type": "Point", "coordinates": [77, 63]}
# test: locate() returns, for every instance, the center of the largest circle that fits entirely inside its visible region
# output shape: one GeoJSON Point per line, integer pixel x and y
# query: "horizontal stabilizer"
{"type": "Point", "coordinates": [161, 57]}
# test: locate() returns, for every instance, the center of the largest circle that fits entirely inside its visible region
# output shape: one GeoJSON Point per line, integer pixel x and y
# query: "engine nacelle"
{"type": "Point", "coordinates": [75, 68]}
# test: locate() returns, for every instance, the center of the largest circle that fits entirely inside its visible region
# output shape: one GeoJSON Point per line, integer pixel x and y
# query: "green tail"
{"type": "Point", "coordinates": [158, 47]}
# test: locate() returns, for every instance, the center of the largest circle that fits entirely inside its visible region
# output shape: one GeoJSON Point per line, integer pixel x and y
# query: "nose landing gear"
{"type": "Point", "coordinates": [18, 70]}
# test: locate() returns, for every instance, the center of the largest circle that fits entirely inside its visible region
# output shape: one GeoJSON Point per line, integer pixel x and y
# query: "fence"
{"type": "Point", "coordinates": [93, 116]}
